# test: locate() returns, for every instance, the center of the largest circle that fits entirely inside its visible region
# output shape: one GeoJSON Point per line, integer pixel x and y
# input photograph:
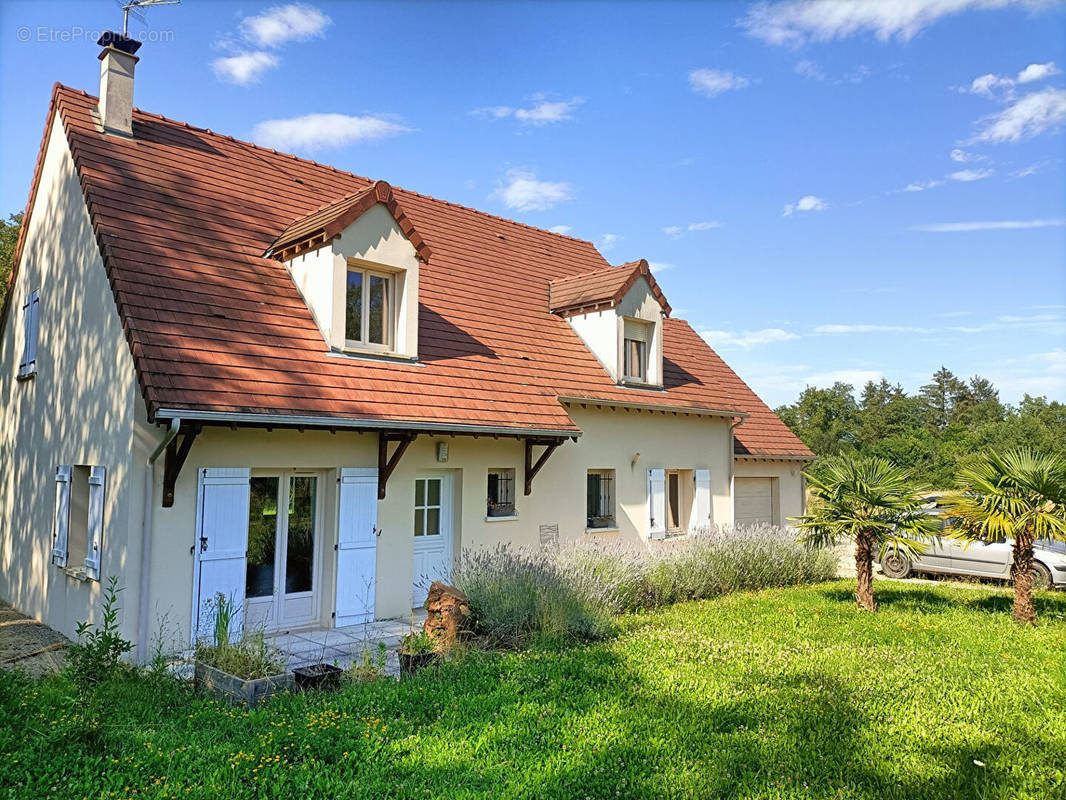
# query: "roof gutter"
{"type": "Point", "coordinates": [304, 421]}
{"type": "Point", "coordinates": [693, 410]}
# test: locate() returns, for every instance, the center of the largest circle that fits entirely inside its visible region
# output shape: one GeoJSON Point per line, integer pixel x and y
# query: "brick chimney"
{"type": "Point", "coordinates": [117, 61]}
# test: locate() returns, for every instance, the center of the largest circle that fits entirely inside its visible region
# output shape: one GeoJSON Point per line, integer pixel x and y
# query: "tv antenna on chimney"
{"type": "Point", "coordinates": [134, 5]}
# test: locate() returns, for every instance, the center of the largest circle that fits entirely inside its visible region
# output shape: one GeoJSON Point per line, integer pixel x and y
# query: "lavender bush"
{"type": "Point", "coordinates": [573, 591]}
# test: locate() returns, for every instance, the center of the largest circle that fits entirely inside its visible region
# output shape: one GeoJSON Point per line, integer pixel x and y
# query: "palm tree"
{"type": "Point", "coordinates": [1019, 495]}
{"type": "Point", "coordinates": [872, 503]}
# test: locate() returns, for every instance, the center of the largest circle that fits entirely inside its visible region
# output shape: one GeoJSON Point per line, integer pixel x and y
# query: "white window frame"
{"type": "Point", "coordinates": [390, 320]}
{"type": "Point", "coordinates": [510, 476]}
{"type": "Point", "coordinates": [31, 310]}
{"type": "Point", "coordinates": [611, 496]}
{"type": "Point", "coordinates": [94, 523]}
{"type": "Point", "coordinates": [644, 348]}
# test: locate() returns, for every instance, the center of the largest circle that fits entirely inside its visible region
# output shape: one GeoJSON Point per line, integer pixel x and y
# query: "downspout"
{"type": "Point", "coordinates": [146, 539]}
{"type": "Point", "coordinates": [732, 470]}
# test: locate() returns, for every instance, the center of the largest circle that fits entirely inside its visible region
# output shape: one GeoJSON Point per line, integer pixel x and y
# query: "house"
{"type": "Point", "coordinates": [230, 370]}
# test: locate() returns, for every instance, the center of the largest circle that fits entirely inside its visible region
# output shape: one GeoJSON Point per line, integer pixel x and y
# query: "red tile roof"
{"type": "Point", "coordinates": [603, 288]}
{"type": "Point", "coordinates": [323, 225]}
{"type": "Point", "coordinates": [183, 217]}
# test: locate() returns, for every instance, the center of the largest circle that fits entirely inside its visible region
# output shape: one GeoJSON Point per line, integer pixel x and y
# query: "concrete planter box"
{"type": "Point", "coordinates": [236, 690]}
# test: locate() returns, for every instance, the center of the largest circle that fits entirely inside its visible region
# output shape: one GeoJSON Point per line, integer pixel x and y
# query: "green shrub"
{"type": "Point", "coordinates": [249, 657]}
{"type": "Point", "coordinates": [572, 592]}
{"type": "Point", "coordinates": [97, 655]}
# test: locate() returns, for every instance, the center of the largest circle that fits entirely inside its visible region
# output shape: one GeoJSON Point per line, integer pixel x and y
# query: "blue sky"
{"type": "Point", "coordinates": [829, 191]}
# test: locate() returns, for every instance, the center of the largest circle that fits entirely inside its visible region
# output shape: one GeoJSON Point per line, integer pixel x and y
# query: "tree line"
{"type": "Point", "coordinates": [934, 433]}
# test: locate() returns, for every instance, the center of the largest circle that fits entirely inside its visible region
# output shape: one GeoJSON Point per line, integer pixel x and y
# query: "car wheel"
{"type": "Point", "coordinates": [896, 565]}
{"type": "Point", "coordinates": [1041, 577]}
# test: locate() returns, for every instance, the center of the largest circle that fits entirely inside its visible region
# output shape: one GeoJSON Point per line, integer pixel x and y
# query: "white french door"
{"type": "Point", "coordinates": [284, 542]}
{"type": "Point", "coordinates": [432, 534]}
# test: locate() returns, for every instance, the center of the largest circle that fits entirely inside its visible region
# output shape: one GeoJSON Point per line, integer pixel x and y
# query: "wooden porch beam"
{"type": "Point", "coordinates": [533, 468]}
{"type": "Point", "coordinates": [174, 460]}
{"type": "Point", "coordinates": [386, 463]}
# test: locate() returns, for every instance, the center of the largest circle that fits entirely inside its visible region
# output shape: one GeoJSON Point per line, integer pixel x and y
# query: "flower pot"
{"type": "Point", "coordinates": [317, 676]}
{"type": "Point", "coordinates": [238, 690]}
{"type": "Point", "coordinates": [502, 510]}
{"type": "Point", "coordinates": [600, 522]}
{"type": "Point", "coordinates": [410, 663]}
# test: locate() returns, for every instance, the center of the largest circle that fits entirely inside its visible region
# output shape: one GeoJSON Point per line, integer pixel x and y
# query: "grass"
{"type": "Point", "coordinates": [784, 693]}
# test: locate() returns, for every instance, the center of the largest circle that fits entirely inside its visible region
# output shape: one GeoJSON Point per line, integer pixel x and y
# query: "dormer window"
{"type": "Point", "coordinates": [636, 336]}
{"type": "Point", "coordinates": [356, 262]}
{"type": "Point", "coordinates": [368, 314]}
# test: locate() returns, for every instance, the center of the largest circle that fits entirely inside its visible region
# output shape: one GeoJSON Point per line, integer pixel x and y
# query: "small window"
{"type": "Point", "coordinates": [636, 335]}
{"type": "Point", "coordinates": [501, 493]}
{"type": "Point", "coordinates": [78, 532]}
{"type": "Point", "coordinates": [30, 319]}
{"type": "Point", "coordinates": [368, 302]}
{"type": "Point", "coordinates": [427, 506]}
{"type": "Point", "coordinates": [600, 505]}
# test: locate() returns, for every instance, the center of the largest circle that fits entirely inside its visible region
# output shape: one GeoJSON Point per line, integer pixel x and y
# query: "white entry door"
{"type": "Point", "coordinates": [282, 575]}
{"type": "Point", "coordinates": [220, 547]}
{"type": "Point", "coordinates": [432, 534]}
{"type": "Point", "coordinates": [357, 546]}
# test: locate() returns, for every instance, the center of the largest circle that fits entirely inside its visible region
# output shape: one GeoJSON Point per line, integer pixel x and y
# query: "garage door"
{"type": "Point", "coordinates": [753, 501]}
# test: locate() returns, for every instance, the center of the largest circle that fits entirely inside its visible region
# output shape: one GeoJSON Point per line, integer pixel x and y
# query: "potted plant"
{"type": "Point", "coordinates": [501, 509]}
{"type": "Point", "coordinates": [317, 676]}
{"type": "Point", "coordinates": [417, 651]}
{"type": "Point", "coordinates": [600, 522]}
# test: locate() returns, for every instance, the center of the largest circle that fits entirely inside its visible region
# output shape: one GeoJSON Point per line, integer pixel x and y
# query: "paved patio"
{"type": "Point", "coordinates": [344, 646]}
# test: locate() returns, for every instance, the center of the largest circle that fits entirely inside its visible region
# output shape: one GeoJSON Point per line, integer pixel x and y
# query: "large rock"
{"type": "Point", "coordinates": [448, 610]}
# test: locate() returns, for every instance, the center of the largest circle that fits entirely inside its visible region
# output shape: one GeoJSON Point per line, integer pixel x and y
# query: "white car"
{"type": "Point", "coordinates": [981, 560]}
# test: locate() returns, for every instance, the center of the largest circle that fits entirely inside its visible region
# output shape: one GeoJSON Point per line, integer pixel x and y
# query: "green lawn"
{"type": "Point", "coordinates": [783, 693]}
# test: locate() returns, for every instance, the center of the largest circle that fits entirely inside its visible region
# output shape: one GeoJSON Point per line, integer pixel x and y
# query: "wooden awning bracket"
{"type": "Point", "coordinates": [387, 463]}
{"type": "Point", "coordinates": [174, 460]}
{"type": "Point", "coordinates": [532, 468]}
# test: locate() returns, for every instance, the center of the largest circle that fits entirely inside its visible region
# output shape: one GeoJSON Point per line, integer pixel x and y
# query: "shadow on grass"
{"type": "Point", "coordinates": [933, 600]}
{"type": "Point", "coordinates": [581, 722]}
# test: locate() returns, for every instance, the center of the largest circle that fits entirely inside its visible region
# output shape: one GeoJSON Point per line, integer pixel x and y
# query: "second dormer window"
{"type": "Point", "coordinates": [368, 320]}
{"type": "Point", "coordinates": [635, 351]}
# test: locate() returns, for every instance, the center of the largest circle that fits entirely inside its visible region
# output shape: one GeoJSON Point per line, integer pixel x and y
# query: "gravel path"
{"type": "Point", "coordinates": [27, 645]}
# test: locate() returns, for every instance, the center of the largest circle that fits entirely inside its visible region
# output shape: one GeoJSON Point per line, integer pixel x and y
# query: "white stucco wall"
{"type": "Point", "coordinates": [78, 410]}
{"type": "Point", "coordinates": [611, 439]}
{"type": "Point", "coordinates": [601, 331]}
{"type": "Point", "coordinates": [376, 241]}
{"type": "Point", "coordinates": [790, 482]}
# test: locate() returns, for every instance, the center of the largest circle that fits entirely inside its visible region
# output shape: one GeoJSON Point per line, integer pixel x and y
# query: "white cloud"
{"type": "Point", "coordinates": [806, 203]}
{"type": "Point", "coordinates": [795, 21]}
{"type": "Point", "coordinates": [522, 191]}
{"type": "Point", "coordinates": [962, 157]}
{"type": "Point", "coordinates": [673, 231]}
{"type": "Point", "coordinates": [837, 330]}
{"type": "Point", "coordinates": [1037, 72]}
{"type": "Point", "coordinates": [711, 82]}
{"type": "Point", "coordinates": [921, 186]}
{"type": "Point", "coordinates": [317, 131]}
{"type": "Point", "coordinates": [857, 75]}
{"type": "Point", "coordinates": [280, 24]}
{"type": "Point", "coordinates": [856, 377]}
{"type": "Point", "coordinates": [493, 112]}
{"type": "Point", "coordinates": [564, 229]}
{"type": "Point", "coordinates": [659, 266]}
{"type": "Point", "coordinates": [1002, 225]}
{"type": "Point", "coordinates": [543, 112]}
{"type": "Point", "coordinates": [970, 175]}
{"type": "Point", "coordinates": [1028, 117]}
{"type": "Point", "coordinates": [243, 68]}
{"type": "Point", "coordinates": [809, 69]}
{"type": "Point", "coordinates": [746, 339]}
{"type": "Point", "coordinates": [608, 241]}
{"type": "Point", "coordinates": [704, 226]}
{"type": "Point", "coordinates": [1032, 169]}
{"type": "Point", "coordinates": [988, 85]}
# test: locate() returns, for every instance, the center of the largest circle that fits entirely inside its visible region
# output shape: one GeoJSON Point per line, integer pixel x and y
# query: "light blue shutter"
{"type": "Point", "coordinates": [95, 538]}
{"type": "Point", "coordinates": [30, 316]}
{"type": "Point", "coordinates": [701, 512]}
{"type": "Point", "coordinates": [221, 546]}
{"type": "Point", "coordinates": [357, 546]}
{"type": "Point", "coordinates": [61, 525]}
{"type": "Point", "coordinates": [657, 503]}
